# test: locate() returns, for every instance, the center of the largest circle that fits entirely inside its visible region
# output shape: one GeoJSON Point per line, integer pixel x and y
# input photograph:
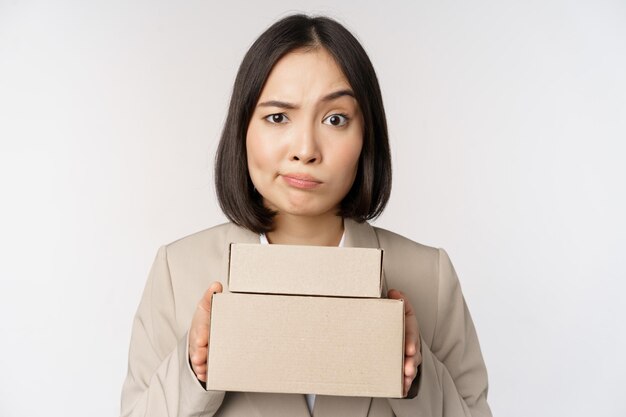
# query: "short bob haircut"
{"type": "Point", "coordinates": [369, 194]}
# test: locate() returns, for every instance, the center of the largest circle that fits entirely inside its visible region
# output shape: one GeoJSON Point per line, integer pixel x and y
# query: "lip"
{"type": "Point", "coordinates": [302, 181]}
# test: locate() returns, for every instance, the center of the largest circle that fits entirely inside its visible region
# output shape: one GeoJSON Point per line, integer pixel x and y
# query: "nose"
{"type": "Point", "coordinates": [304, 146]}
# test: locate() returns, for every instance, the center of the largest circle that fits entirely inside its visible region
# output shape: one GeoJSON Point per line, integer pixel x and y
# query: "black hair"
{"type": "Point", "coordinates": [369, 194]}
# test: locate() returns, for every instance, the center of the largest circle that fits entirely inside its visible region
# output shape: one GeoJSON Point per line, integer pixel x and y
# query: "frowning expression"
{"type": "Point", "coordinates": [305, 135]}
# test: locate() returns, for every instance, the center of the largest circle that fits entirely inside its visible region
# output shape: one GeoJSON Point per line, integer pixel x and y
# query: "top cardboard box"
{"type": "Point", "coordinates": [305, 270]}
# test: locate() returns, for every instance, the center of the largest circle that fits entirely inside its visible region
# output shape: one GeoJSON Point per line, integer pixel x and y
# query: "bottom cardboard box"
{"type": "Point", "coordinates": [306, 345]}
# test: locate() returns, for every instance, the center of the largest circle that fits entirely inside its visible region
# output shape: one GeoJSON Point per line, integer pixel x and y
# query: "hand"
{"type": "Point", "coordinates": [412, 346]}
{"type": "Point", "coordinates": [199, 332]}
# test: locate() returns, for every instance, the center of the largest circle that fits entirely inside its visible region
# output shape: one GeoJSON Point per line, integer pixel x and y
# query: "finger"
{"type": "Point", "coordinates": [205, 302]}
{"type": "Point", "coordinates": [395, 294]}
{"type": "Point", "coordinates": [199, 332]}
{"type": "Point", "coordinates": [199, 337]}
{"type": "Point", "coordinates": [199, 370]}
{"type": "Point", "coordinates": [410, 368]}
{"type": "Point", "coordinates": [198, 357]}
{"type": "Point", "coordinates": [399, 295]}
{"type": "Point", "coordinates": [410, 338]}
{"type": "Point", "coordinates": [411, 330]}
{"type": "Point", "coordinates": [201, 377]}
{"type": "Point", "coordinates": [418, 359]}
{"type": "Point", "coordinates": [407, 385]}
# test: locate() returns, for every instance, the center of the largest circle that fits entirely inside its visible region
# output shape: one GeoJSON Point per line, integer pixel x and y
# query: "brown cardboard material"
{"type": "Point", "coordinates": [306, 345]}
{"type": "Point", "coordinates": [305, 270]}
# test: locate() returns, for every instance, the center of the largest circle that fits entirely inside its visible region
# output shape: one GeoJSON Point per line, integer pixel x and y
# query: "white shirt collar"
{"type": "Point", "coordinates": [264, 241]}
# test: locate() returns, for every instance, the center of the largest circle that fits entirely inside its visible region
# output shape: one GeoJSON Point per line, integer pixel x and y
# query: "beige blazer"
{"type": "Point", "coordinates": [452, 378]}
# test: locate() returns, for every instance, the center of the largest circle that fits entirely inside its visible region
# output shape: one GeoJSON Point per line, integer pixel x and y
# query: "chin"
{"type": "Point", "coordinates": [308, 210]}
{"type": "Point", "coordinates": [300, 211]}
{"type": "Point", "coordinates": [302, 205]}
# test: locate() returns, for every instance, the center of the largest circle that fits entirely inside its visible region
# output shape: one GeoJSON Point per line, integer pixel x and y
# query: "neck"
{"type": "Point", "coordinates": [301, 230]}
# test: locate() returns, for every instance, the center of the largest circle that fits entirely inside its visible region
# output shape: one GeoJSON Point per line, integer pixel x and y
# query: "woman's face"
{"type": "Point", "coordinates": [305, 136]}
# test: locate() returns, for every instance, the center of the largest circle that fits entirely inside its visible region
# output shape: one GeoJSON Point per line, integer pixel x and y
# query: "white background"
{"type": "Point", "coordinates": [507, 123]}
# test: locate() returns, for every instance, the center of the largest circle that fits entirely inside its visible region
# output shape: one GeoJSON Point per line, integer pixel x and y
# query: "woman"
{"type": "Point", "coordinates": [303, 159]}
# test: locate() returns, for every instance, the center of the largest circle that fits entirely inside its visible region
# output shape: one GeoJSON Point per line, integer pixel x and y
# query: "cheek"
{"type": "Point", "coordinates": [351, 152]}
{"type": "Point", "coordinates": [349, 157]}
{"type": "Point", "coordinates": [346, 162]}
{"type": "Point", "coordinates": [254, 147]}
{"type": "Point", "coordinates": [261, 153]}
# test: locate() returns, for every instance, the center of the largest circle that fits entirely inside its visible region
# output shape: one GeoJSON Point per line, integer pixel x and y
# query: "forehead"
{"type": "Point", "coordinates": [312, 72]}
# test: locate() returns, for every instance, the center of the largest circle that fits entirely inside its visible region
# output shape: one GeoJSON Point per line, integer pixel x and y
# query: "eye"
{"type": "Point", "coordinates": [277, 118]}
{"type": "Point", "coordinates": [337, 120]}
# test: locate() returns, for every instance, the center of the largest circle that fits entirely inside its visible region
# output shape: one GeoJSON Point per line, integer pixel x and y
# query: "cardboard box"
{"type": "Point", "coordinates": [305, 270]}
{"type": "Point", "coordinates": [307, 345]}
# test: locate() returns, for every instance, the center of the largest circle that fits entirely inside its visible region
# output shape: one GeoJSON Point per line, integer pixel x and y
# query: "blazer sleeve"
{"type": "Point", "coordinates": [160, 381]}
{"type": "Point", "coordinates": [452, 379]}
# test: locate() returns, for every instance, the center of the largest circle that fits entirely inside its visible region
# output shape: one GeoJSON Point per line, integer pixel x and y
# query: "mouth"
{"type": "Point", "coordinates": [302, 181]}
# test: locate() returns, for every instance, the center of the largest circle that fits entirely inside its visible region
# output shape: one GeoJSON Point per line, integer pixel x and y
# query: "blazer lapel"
{"type": "Point", "coordinates": [236, 234]}
{"type": "Point", "coordinates": [359, 235]}
{"type": "Point", "coordinates": [362, 235]}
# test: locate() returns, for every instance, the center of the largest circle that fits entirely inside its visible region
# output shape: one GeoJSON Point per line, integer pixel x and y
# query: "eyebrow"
{"type": "Point", "coordinates": [290, 106]}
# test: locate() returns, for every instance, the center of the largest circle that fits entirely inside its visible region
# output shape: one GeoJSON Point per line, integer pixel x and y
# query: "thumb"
{"type": "Point", "coordinates": [399, 295]}
{"type": "Point", "coordinates": [395, 294]}
{"type": "Point", "coordinates": [205, 302]}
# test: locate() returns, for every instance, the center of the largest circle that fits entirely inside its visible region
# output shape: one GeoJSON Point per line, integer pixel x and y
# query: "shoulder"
{"type": "Point", "coordinates": [401, 246]}
{"type": "Point", "coordinates": [431, 261]}
{"type": "Point", "coordinates": [205, 241]}
{"type": "Point", "coordinates": [198, 256]}
{"type": "Point", "coordinates": [192, 263]}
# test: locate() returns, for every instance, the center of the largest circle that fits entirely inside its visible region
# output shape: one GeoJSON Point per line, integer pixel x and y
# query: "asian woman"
{"type": "Point", "coordinates": [303, 159]}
